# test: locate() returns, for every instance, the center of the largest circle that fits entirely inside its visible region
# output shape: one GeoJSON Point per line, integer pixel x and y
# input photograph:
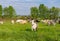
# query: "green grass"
{"type": "Point", "coordinates": [20, 32]}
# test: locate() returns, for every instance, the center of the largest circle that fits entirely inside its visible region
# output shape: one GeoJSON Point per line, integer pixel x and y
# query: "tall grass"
{"type": "Point", "coordinates": [22, 32]}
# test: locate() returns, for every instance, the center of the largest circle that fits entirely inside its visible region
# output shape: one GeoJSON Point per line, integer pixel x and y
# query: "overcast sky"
{"type": "Point", "coordinates": [22, 7]}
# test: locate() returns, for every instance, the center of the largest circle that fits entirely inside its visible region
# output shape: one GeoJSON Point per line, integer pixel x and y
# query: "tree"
{"type": "Point", "coordinates": [0, 10]}
{"type": "Point", "coordinates": [12, 12]}
{"type": "Point", "coordinates": [6, 12]}
{"type": "Point", "coordinates": [54, 12]}
{"type": "Point", "coordinates": [43, 11]}
{"type": "Point", "coordinates": [9, 12]}
{"type": "Point", "coordinates": [34, 12]}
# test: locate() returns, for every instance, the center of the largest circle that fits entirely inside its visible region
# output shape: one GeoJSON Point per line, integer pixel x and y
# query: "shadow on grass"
{"type": "Point", "coordinates": [28, 30]}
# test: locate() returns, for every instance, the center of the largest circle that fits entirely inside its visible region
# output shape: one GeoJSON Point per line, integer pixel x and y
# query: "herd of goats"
{"type": "Point", "coordinates": [34, 22]}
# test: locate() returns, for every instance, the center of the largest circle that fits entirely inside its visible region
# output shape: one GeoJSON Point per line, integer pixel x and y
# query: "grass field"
{"type": "Point", "coordinates": [19, 32]}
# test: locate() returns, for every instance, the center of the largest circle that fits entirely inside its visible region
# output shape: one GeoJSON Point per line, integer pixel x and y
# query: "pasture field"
{"type": "Point", "coordinates": [20, 32]}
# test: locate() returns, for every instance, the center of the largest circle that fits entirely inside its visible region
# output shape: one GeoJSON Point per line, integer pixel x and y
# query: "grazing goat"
{"type": "Point", "coordinates": [49, 22]}
{"type": "Point", "coordinates": [58, 21]}
{"type": "Point", "coordinates": [1, 22]}
{"type": "Point", "coordinates": [12, 21]}
{"type": "Point", "coordinates": [21, 21]}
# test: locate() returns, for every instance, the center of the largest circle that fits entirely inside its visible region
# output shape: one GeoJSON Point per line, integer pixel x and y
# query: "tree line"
{"type": "Point", "coordinates": [44, 12]}
{"type": "Point", "coordinates": [7, 12]}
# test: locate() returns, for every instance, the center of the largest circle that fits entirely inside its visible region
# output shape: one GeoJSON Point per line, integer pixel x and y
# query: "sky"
{"type": "Point", "coordinates": [22, 7]}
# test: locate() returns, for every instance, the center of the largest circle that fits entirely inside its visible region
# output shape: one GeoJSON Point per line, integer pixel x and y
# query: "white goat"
{"type": "Point", "coordinates": [49, 22]}
{"type": "Point", "coordinates": [21, 21]}
{"type": "Point", "coordinates": [34, 25]}
{"type": "Point", "coordinates": [1, 22]}
{"type": "Point", "coordinates": [12, 21]}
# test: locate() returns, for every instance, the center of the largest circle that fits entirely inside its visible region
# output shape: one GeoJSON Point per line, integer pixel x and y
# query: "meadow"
{"type": "Point", "coordinates": [22, 32]}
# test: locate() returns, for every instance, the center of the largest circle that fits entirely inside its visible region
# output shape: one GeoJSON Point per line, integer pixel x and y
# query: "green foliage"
{"type": "Point", "coordinates": [54, 13]}
{"type": "Point", "coordinates": [12, 12]}
{"type": "Point", "coordinates": [44, 12]}
{"type": "Point", "coordinates": [6, 12]}
{"type": "Point", "coordinates": [34, 12]}
{"type": "Point", "coordinates": [9, 12]}
{"type": "Point", "coordinates": [20, 32]}
{"type": "Point", "coordinates": [0, 10]}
